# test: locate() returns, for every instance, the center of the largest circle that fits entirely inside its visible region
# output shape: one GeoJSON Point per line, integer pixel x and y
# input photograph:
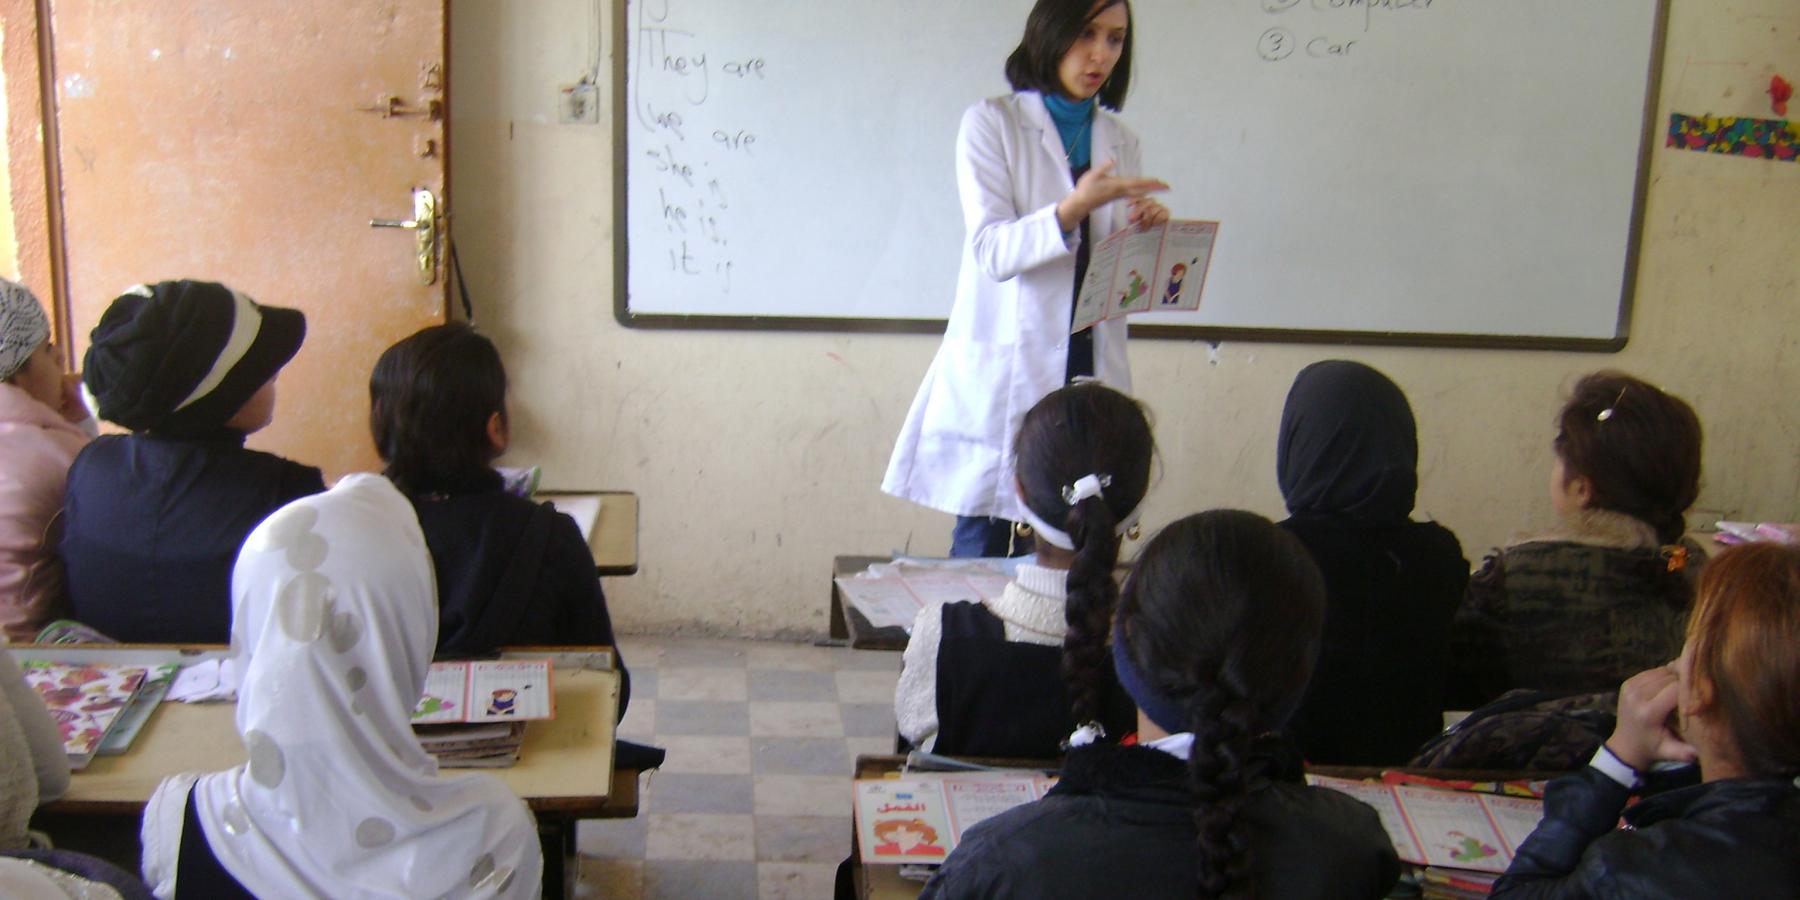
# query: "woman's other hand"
{"type": "Point", "coordinates": [1098, 187]}
{"type": "Point", "coordinates": [1147, 212]}
{"type": "Point", "coordinates": [1643, 735]}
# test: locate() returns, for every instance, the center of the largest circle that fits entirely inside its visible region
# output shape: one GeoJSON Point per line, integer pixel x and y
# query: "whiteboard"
{"type": "Point", "coordinates": [1445, 171]}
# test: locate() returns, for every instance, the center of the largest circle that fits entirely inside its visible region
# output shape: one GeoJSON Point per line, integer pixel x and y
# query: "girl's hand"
{"type": "Point", "coordinates": [74, 409]}
{"type": "Point", "coordinates": [1099, 187]}
{"type": "Point", "coordinates": [1643, 737]}
{"type": "Point", "coordinates": [1147, 212]}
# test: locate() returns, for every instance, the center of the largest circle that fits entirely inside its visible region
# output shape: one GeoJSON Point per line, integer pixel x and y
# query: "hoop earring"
{"type": "Point", "coordinates": [1022, 529]}
{"type": "Point", "coordinates": [1134, 532]}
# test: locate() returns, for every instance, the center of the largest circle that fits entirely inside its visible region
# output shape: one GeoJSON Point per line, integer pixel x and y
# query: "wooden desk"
{"type": "Point", "coordinates": [614, 540]}
{"type": "Point", "coordinates": [847, 623]}
{"type": "Point", "coordinates": [565, 771]}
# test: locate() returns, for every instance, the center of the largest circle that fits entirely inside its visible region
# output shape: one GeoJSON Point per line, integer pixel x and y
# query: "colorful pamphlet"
{"type": "Point", "coordinates": [1158, 269]}
{"type": "Point", "coordinates": [500, 690]}
{"type": "Point", "coordinates": [85, 701]}
{"type": "Point", "coordinates": [1453, 829]}
{"type": "Point", "coordinates": [921, 817]}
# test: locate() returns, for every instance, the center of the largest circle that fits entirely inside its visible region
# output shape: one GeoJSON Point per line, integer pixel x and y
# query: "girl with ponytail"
{"type": "Point", "coordinates": [1214, 640]}
{"type": "Point", "coordinates": [1013, 676]}
{"type": "Point", "coordinates": [1603, 595]}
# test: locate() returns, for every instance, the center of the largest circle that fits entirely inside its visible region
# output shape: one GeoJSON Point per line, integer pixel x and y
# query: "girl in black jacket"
{"type": "Point", "coordinates": [1215, 638]}
{"type": "Point", "coordinates": [509, 571]}
{"type": "Point", "coordinates": [1728, 703]}
{"type": "Point", "coordinates": [1347, 459]}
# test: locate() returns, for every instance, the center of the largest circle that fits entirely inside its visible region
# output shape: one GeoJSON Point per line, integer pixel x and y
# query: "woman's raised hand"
{"type": "Point", "coordinates": [1099, 186]}
{"type": "Point", "coordinates": [1642, 736]}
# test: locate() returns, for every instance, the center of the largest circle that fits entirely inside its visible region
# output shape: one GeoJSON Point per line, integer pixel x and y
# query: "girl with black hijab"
{"type": "Point", "coordinates": [1347, 459]}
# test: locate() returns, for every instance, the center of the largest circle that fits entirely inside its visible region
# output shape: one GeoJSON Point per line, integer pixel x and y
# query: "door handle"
{"type": "Point", "coordinates": [424, 226]}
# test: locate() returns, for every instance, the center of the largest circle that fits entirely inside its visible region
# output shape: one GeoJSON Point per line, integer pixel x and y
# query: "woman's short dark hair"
{"type": "Point", "coordinates": [1638, 446]}
{"type": "Point", "coordinates": [1223, 613]}
{"type": "Point", "coordinates": [430, 398]}
{"type": "Point", "coordinates": [1050, 30]}
{"type": "Point", "coordinates": [1080, 430]}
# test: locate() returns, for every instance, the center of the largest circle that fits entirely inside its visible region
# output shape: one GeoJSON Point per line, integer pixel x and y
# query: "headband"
{"type": "Point", "coordinates": [1084, 487]}
{"type": "Point", "coordinates": [1168, 714]}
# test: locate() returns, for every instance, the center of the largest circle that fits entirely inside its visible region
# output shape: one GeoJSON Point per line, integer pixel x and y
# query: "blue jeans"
{"type": "Point", "coordinates": [985, 536]}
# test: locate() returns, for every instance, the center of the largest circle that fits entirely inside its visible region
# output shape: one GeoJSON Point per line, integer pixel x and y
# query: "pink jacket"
{"type": "Point", "coordinates": [36, 448]}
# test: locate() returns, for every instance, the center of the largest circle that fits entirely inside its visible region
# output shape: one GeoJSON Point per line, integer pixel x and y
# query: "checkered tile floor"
{"type": "Point", "coordinates": [754, 800]}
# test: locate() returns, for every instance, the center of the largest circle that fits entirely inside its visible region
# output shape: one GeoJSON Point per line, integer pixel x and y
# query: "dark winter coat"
{"type": "Point", "coordinates": [511, 572]}
{"type": "Point", "coordinates": [1120, 823]}
{"type": "Point", "coordinates": [152, 528]}
{"type": "Point", "coordinates": [1738, 837]}
{"type": "Point", "coordinates": [1580, 610]}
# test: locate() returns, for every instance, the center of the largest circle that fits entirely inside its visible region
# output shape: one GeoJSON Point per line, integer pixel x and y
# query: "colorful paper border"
{"type": "Point", "coordinates": [1777, 139]}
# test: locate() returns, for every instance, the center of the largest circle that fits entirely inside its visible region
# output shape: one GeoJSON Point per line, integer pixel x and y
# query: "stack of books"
{"type": "Point", "coordinates": [99, 708]}
{"type": "Point", "coordinates": [473, 714]}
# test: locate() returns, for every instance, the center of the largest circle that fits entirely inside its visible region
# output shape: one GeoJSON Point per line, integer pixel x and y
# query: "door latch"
{"type": "Point", "coordinates": [424, 226]}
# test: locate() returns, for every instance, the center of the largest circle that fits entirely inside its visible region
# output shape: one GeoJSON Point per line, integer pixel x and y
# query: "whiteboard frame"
{"type": "Point", "coordinates": [1213, 334]}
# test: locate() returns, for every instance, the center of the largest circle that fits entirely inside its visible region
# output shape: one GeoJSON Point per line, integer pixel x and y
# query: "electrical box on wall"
{"type": "Point", "coordinates": [578, 103]}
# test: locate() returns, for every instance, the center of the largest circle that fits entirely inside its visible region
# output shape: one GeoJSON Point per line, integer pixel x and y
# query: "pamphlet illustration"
{"type": "Point", "coordinates": [1125, 267]}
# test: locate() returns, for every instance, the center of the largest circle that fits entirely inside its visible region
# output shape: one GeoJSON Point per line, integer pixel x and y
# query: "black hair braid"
{"type": "Point", "coordinates": [1222, 776]}
{"type": "Point", "coordinates": [1092, 594]}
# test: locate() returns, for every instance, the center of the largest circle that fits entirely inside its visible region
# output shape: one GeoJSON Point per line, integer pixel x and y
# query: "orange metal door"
{"type": "Point", "coordinates": [251, 143]}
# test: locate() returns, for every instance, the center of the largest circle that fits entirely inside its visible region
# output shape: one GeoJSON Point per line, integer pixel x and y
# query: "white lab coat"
{"type": "Point", "coordinates": [1007, 342]}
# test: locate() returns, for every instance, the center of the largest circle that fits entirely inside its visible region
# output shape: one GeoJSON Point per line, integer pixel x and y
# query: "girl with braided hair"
{"type": "Point", "coordinates": [1214, 640]}
{"type": "Point", "coordinates": [982, 678]}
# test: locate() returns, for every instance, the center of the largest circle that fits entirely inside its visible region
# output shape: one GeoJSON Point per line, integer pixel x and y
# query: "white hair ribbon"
{"type": "Point", "coordinates": [1083, 488]}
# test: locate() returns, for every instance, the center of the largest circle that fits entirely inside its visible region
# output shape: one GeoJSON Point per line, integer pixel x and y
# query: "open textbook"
{"type": "Point", "coordinates": [1454, 829]}
{"type": "Point", "coordinates": [501, 690]}
{"type": "Point", "coordinates": [891, 594]}
{"type": "Point", "coordinates": [1157, 269]}
{"type": "Point", "coordinates": [920, 817]}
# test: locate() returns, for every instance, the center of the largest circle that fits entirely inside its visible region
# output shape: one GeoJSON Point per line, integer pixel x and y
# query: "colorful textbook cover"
{"type": "Point", "coordinates": [920, 818]}
{"type": "Point", "coordinates": [85, 701]}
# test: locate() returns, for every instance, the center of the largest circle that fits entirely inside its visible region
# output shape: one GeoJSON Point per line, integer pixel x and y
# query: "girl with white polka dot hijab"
{"type": "Point", "coordinates": [334, 620]}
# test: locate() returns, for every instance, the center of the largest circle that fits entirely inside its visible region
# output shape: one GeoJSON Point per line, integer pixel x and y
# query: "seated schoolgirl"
{"type": "Point", "coordinates": [1603, 595]}
{"type": "Point", "coordinates": [509, 571]}
{"type": "Point", "coordinates": [1013, 676]}
{"type": "Point", "coordinates": [1347, 458]}
{"type": "Point", "coordinates": [1215, 639]}
{"type": "Point", "coordinates": [154, 519]}
{"type": "Point", "coordinates": [1727, 703]}
{"type": "Point", "coordinates": [335, 621]}
{"type": "Point", "coordinates": [43, 424]}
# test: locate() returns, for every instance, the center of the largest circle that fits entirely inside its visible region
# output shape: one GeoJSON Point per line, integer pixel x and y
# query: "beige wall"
{"type": "Point", "coordinates": [757, 455]}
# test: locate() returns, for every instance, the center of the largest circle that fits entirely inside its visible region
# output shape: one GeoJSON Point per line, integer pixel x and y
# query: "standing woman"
{"type": "Point", "coordinates": [1038, 172]}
